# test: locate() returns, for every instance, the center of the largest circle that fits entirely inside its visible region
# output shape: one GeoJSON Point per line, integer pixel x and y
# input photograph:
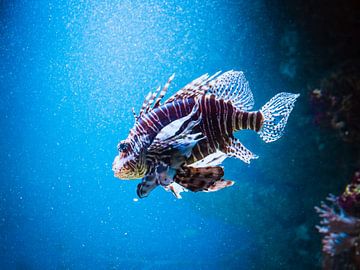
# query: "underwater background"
{"type": "Point", "coordinates": [71, 71]}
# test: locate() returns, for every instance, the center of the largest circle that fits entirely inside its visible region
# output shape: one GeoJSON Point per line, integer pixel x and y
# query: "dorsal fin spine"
{"type": "Point", "coordinates": [146, 101]}
{"type": "Point", "coordinates": [163, 91]}
{"type": "Point", "coordinates": [135, 116]}
{"type": "Point", "coordinates": [152, 98]}
{"type": "Point", "coordinates": [190, 89]}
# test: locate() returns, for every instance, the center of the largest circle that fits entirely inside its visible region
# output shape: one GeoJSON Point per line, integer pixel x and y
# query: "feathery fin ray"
{"type": "Point", "coordinates": [237, 150]}
{"type": "Point", "coordinates": [233, 86]}
{"type": "Point", "coordinates": [213, 159]}
{"type": "Point", "coordinates": [276, 113]}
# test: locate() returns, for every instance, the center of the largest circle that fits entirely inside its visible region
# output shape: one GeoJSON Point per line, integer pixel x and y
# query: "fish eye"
{"type": "Point", "coordinates": [122, 146]}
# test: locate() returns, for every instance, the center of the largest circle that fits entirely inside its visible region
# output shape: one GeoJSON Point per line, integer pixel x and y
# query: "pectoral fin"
{"type": "Point", "coordinates": [175, 189]}
{"type": "Point", "coordinates": [146, 186]}
{"type": "Point", "coordinates": [202, 179]}
{"type": "Point", "coordinates": [175, 126]}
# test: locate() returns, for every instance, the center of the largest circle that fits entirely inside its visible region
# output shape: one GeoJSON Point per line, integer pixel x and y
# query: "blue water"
{"type": "Point", "coordinates": [70, 73]}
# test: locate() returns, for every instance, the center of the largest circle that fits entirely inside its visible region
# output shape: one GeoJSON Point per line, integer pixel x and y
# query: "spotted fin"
{"type": "Point", "coordinates": [237, 150]}
{"type": "Point", "coordinates": [276, 113]}
{"type": "Point", "coordinates": [205, 179]}
{"type": "Point", "coordinates": [233, 86]}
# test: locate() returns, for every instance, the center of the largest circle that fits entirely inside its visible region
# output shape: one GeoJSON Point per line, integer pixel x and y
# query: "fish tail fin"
{"type": "Point", "coordinates": [275, 115]}
{"type": "Point", "coordinates": [205, 179]}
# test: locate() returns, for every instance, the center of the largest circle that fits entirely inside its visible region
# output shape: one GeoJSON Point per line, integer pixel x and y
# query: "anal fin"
{"type": "Point", "coordinates": [237, 150]}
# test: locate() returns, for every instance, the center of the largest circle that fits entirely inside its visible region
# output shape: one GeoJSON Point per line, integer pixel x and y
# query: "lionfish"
{"type": "Point", "coordinates": [180, 144]}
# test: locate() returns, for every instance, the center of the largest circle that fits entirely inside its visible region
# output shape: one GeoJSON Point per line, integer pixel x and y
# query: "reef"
{"type": "Point", "coordinates": [340, 227]}
{"type": "Point", "coordinates": [336, 104]}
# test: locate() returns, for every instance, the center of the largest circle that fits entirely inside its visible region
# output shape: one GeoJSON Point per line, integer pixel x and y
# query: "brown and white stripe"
{"type": "Point", "coordinates": [219, 120]}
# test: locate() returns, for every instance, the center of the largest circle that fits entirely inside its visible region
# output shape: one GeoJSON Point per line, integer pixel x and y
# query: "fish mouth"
{"type": "Point", "coordinates": [123, 173]}
{"type": "Point", "coordinates": [118, 175]}
{"type": "Point", "coordinates": [124, 176]}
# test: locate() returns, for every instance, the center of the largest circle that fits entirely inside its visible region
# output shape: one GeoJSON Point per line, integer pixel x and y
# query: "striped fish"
{"type": "Point", "coordinates": [181, 143]}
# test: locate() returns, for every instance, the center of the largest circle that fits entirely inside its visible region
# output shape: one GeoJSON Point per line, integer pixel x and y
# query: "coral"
{"type": "Point", "coordinates": [337, 103]}
{"type": "Point", "coordinates": [349, 201]}
{"type": "Point", "coordinates": [340, 226]}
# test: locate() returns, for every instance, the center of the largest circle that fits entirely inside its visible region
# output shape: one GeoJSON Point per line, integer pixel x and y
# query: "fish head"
{"type": "Point", "coordinates": [129, 165]}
